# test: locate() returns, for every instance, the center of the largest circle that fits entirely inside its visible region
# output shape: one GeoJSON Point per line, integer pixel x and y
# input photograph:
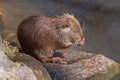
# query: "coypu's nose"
{"type": "Point", "coordinates": [82, 42]}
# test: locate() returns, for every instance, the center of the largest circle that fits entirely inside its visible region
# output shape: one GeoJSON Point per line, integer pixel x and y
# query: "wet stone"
{"type": "Point", "coordinates": [18, 66]}
{"type": "Point", "coordinates": [83, 66]}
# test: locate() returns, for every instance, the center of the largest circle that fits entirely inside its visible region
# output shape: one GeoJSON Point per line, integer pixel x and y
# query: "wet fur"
{"type": "Point", "coordinates": [41, 36]}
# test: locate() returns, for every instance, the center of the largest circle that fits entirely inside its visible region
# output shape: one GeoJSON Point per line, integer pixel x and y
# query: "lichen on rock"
{"type": "Point", "coordinates": [18, 66]}
{"type": "Point", "coordinates": [83, 66]}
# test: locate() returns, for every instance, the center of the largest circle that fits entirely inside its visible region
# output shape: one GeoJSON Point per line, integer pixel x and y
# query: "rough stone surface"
{"type": "Point", "coordinates": [18, 66]}
{"type": "Point", "coordinates": [83, 66]}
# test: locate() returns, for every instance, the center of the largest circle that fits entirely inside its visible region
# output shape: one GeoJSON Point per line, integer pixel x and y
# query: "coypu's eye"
{"type": "Point", "coordinates": [65, 26]}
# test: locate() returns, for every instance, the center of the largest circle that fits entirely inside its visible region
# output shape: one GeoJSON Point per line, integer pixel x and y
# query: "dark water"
{"type": "Point", "coordinates": [101, 19]}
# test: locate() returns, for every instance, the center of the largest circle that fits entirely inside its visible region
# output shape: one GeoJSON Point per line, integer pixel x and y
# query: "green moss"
{"type": "Point", "coordinates": [8, 78]}
{"type": "Point", "coordinates": [16, 65]}
{"type": "Point", "coordinates": [8, 49]}
{"type": "Point", "coordinates": [106, 75]}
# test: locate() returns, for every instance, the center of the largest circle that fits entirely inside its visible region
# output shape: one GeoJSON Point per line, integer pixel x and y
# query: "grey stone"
{"type": "Point", "coordinates": [18, 66]}
{"type": "Point", "coordinates": [83, 66]}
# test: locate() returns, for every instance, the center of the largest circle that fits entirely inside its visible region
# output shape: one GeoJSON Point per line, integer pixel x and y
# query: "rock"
{"type": "Point", "coordinates": [83, 66]}
{"type": "Point", "coordinates": [18, 66]}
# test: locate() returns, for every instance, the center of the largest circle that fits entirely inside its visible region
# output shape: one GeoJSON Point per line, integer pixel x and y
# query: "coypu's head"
{"type": "Point", "coordinates": [69, 31]}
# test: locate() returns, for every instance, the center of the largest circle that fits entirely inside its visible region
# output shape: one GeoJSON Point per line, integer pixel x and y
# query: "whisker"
{"type": "Point", "coordinates": [84, 27]}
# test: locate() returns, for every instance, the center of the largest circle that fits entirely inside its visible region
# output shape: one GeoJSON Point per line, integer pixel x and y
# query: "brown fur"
{"type": "Point", "coordinates": [41, 36]}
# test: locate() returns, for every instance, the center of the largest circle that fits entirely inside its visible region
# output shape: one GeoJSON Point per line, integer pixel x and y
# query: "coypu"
{"type": "Point", "coordinates": [40, 36]}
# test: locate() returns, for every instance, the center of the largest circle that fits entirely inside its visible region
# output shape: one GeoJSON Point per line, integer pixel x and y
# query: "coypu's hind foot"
{"type": "Point", "coordinates": [54, 60]}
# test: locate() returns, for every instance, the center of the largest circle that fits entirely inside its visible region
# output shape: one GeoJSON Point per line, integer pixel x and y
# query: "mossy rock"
{"type": "Point", "coordinates": [18, 66]}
